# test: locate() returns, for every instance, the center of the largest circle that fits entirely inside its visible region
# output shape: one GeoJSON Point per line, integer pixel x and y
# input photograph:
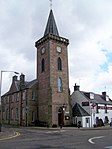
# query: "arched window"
{"type": "Point", "coordinates": [43, 65]}
{"type": "Point", "coordinates": [59, 63]}
{"type": "Point", "coordinates": [60, 85]}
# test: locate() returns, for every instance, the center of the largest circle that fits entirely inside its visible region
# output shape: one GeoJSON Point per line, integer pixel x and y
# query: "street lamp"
{"type": "Point", "coordinates": [0, 94]}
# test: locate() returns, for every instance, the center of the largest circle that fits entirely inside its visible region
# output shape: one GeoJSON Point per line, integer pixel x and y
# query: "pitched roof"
{"type": "Point", "coordinates": [51, 27]}
{"type": "Point", "coordinates": [79, 111]}
{"type": "Point", "coordinates": [31, 83]}
{"type": "Point", "coordinates": [16, 86]}
{"type": "Point", "coordinates": [97, 98]}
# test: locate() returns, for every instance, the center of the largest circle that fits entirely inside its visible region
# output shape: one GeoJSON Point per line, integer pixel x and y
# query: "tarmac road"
{"type": "Point", "coordinates": [66, 138]}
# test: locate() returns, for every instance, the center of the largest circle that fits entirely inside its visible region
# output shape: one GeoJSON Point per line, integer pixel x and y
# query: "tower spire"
{"type": "Point", "coordinates": [51, 27]}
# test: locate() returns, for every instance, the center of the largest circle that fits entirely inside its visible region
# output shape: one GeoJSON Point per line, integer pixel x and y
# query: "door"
{"type": "Point", "coordinates": [87, 122]}
{"type": "Point", "coordinates": [60, 117]}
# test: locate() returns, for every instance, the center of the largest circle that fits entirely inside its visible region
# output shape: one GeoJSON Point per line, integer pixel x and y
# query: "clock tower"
{"type": "Point", "coordinates": [52, 75]}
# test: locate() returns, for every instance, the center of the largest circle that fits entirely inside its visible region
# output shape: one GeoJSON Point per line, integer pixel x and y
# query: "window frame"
{"type": "Point", "coordinates": [33, 116]}
{"type": "Point", "coordinates": [59, 64]}
{"type": "Point", "coordinates": [60, 85]}
{"type": "Point", "coordinates": [43, 65]}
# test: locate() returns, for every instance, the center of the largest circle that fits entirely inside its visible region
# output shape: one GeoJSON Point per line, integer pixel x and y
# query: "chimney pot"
{"type": "Point", "coordinates": [104, 95]}
{"type": "Point", "coordinates": [76, 87]}
{"type": "Point", "coordinates": [14, 78]}
{"type": "Point", "coordinates": [22, 81]}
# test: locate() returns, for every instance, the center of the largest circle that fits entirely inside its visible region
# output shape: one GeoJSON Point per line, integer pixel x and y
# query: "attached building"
{"type": "Point", "coordinates": [95, 109]}
{"type": "Point", "coordinates": [19, 104]}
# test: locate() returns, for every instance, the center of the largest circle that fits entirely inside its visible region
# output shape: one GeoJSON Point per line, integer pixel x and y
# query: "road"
{"type": "Point", "coordinates": [33, 138]}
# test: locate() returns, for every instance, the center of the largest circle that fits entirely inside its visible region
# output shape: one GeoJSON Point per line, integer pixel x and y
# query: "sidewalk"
{"type": "Point", "coordinates": [71, 128]}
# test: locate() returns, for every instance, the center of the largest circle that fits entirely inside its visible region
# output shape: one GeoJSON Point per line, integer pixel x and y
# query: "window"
{"type": "Point", "coordinates": [59, 62]}
{"type": "Point", "coordinates": [17, 96]}
{"type": "Point", "coordinates": [8, 99]}
{"type": "Point", "coordinates": [107, 98]}
{"type": "Point", "coordinates": [91, 95]}
{"type": "Point", "coordinates": [87, 120]}
{"type": "Point", "coordinates": [43, 65]}
{"type": "Point", "coordinates": [7, 114]}
{"type": "Point", "coordinates": [3, 116]}
{"type": "Point", "coordinates": [12, 98]}
{"type": "Point", "coordinates": [33, 116]}
{"type": "Point", "coordinates": [23, 113]}
{"type": "Point", "coordinates": [12, 114]}
{"type": "Point", "coordinates": [33, 95]}
{"type": "Point", "coordinates": [59, 84]}
{"type": "Point", "coordinates": [24, 95]}
{"type": "Point", "coordinates": [17, 116]}
{"type": "Point", "coordinates": [85, 103]}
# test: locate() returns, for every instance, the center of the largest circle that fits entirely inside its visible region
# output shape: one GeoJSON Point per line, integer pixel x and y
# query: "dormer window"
{"type": "Point", "coordinates": [91, 95]}
{"type": "Point", "coordinates": [107, 98]}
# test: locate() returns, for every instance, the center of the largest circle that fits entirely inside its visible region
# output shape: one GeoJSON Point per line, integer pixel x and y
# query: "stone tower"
{"type": "Point", "coordinates": [52, 75]}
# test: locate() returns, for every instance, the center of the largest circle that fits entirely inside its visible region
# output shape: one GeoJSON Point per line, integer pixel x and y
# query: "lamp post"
{"type": "Point", "coordinates": [0, 94]}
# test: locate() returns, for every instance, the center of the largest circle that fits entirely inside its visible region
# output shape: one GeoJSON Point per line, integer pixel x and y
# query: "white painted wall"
{"type": "Point", "coordinates": [78, 97]}
{"type": "Point", "coordinates": [86, 121]}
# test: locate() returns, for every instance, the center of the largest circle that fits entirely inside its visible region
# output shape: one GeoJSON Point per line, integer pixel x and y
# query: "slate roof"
{"type": "Point", "coordinates": [79, 111]}
{"type": "Point", "coordinates": [17, 86]}
{"type": "Point", "coordinates": [98, 99]}
{"type": "Point", "coordinates": [51, 27]}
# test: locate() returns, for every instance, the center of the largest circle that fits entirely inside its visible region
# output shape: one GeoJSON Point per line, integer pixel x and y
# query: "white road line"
{"type": "Point", "coordinates": [49, 132]}
{"type": "Point", "coordinates": [90, 140]}
{"type": "Point", "coordinates": [16, 134]}
{"type": "Point", "coordinates": [109, 147]}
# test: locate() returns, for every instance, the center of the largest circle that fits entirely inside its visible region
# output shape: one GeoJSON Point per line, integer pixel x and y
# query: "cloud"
{"type": "Point", "coordinates": [87, 24]}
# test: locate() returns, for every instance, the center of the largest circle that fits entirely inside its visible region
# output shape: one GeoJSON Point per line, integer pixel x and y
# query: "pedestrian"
{"type": "Point", "coordinates": [79, 124]}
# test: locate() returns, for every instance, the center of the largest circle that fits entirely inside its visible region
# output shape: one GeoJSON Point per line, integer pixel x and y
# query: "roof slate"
{"type": "Point", "coordinates": [17, 86]}
{"type": "Point", "coordinates": [51, 27]}
{"type": "Point", "coordinates": [79, 111]}
{"type": "Point", "coordinates": [97, 98]}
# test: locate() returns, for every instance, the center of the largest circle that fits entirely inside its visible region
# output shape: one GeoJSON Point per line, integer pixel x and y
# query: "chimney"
{"type": "Point", "coordinates": [14, 78]}
{"type": "Point", "coordinates": [22, 81]}
{"type": "Point", "coordinates": [76, 87]}
{"type": "Point", "coordinates": [104, 95]}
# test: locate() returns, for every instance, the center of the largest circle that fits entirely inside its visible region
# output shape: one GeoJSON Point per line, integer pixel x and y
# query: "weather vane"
{"type": "Point", "coordinates": [50, 4]}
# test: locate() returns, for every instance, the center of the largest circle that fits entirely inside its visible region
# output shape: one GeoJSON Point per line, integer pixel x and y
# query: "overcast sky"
{"type": "Point", "coordinates": [86, 23]}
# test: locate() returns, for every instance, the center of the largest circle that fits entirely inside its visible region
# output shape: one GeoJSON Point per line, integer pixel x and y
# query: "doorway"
{"type": "Point", "coordinates": [87, 122]}
{"type": "Point", "coordinates": [60, 117]}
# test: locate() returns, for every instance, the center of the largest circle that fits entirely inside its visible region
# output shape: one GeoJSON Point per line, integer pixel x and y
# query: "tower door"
{"type": "Point", "coordinates": [60, 117]}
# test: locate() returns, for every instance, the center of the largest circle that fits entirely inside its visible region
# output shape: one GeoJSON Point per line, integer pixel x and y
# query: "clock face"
{"type": "Point", "coordinates": [43, 50]}
{"type": "Point", "coordinates": [59, 49]}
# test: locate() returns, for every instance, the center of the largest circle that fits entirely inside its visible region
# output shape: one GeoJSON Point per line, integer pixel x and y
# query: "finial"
{"type": "Point", "coordinates": [50, 4]}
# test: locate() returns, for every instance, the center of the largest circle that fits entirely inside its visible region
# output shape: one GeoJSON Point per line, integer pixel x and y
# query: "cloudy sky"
{"type": "Point", "coordinates": [86, 23]}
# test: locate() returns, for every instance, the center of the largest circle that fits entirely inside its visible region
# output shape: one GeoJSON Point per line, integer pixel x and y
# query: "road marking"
{"type": "Point", "coordinates": [109, 147]}
{"type": "Point", "coordinates": [16, 134]}
{"type": "Point", "coordinates": [49, 132]}
{"type": "Point", "coordinates": [90, 140]}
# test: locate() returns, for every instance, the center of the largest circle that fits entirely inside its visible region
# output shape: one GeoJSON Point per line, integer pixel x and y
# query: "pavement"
{"type": "Point", "coordinates": [8, 132]}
